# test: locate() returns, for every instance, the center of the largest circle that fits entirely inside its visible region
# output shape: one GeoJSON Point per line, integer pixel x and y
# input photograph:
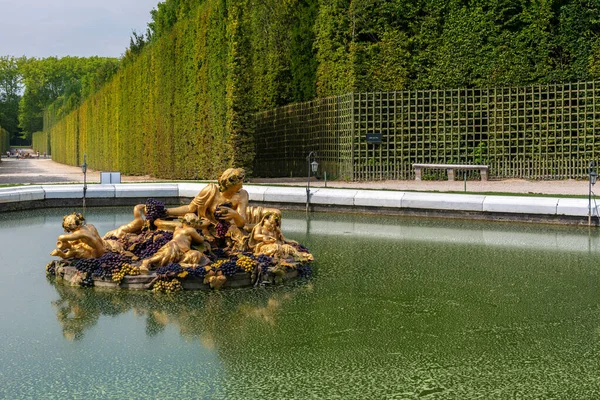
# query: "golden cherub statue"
{"type": "Point", "coordinates": [225, 201]}
{"type": "Point", "coordinates": [81, 240]}
{"type": "Point", "coordinates": [134, 226]}
{"type": "Point", "coordinates": [179, 250]}
{"type": "Point", "coordinates": [266, 238]}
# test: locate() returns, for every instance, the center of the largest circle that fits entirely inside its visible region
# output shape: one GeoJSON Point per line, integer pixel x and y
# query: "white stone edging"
{"type": "Point", "coordinates": [319, 196]}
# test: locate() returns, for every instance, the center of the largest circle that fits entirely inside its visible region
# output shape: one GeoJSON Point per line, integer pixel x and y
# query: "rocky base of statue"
{"type": "Point", "coordinates": [66, 273]}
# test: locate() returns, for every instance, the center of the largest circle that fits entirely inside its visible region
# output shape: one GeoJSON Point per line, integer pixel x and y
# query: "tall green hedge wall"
{"type": "Point", "coordinates": [183, 107]}
{"type": "Point", "coordinates": [40, 141]}
{"type": "Point", "coordinates": [4, 140]}
{"type": "Point", "coordinates": [162, 114]}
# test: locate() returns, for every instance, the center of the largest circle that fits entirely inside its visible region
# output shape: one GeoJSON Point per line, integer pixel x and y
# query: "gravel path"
{"type": "Point", "coordinates": [37, 171]}
{"type": "Point", "coordinates": [565, 187]}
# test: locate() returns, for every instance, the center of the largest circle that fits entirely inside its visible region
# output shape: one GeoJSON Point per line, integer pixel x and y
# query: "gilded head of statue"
{"type": "Point", "coordinates": [72, 221]}
{"type": "Point", "coordinates": [231, 177]}
{"type": "Point", "coordinates": [190, 219]}
{"type": "Point", "coordinates": [273, 217]}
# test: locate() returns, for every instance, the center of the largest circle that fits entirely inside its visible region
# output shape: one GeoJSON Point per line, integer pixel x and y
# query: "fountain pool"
{"type": "Point", "coordinates": [397, 308]}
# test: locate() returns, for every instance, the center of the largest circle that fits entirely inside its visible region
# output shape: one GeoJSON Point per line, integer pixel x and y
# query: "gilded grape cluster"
{"type": "Point", "coordinates": [87, 264]}
{"type": "Point", "coordinates": [155, 209]}
{"type": "Point", "coordinates": [246, 263]}
{"type": "Point", "coordinates": [265, 261]}
{"type": "Point", "coordinates": [222, 228]}
{"type": "Point", "coordinates": [151, 244]}
{"type": "Point", "coordinates": [167, 286]}
{"type": "Point", "coordinates": [126, 269]}
{"type": "Point", "coordinates": [229, 268]}
{"type": "Point", "coordinates": [172, 268]}
{"type": "Point", "coordinates": [196, 272]}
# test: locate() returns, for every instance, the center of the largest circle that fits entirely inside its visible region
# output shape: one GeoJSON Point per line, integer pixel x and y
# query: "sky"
{"type": "Point", "coordinates": [80, 28]}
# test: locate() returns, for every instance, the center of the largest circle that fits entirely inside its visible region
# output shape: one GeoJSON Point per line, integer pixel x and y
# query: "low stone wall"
{"type": "Point", "coordinates": [466, 206]}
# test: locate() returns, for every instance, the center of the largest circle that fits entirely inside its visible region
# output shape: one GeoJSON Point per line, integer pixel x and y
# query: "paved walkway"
{"type": "Point", "coordinates": [564, 187]}
{"type": "Point", "coordinates": [38, 171]}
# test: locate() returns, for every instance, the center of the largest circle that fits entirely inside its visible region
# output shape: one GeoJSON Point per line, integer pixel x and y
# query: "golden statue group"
{"type": "Point", "coordinates": [216, 239]}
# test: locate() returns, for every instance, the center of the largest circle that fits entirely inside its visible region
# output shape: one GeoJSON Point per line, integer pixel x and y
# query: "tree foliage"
{"type": "Point", "coordinates": [59, 83]}
{"type": "Point", "coordinates": [4, 140]}
{"type": "Point", "coordinates": [10, 95]}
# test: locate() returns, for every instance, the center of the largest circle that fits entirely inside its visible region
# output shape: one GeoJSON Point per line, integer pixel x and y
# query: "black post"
{"type": "Point", "coordinates": [84, 169]}
{"type": "Point", "coordinates": [592, 180]}
{"type": "Point", "coordinates": [314, 155]}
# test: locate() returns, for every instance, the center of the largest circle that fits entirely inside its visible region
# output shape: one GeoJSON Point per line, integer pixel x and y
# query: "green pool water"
{"type": "Point", "coordinates": [397, 309]}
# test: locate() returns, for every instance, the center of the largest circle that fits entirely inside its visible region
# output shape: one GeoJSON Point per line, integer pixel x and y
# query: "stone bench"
{"type": "Point", "coordinates": [483, 169]}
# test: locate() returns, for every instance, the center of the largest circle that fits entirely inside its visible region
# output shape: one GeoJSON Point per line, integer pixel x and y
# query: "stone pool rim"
{"type": "Point", "coordinates": [556, 210]}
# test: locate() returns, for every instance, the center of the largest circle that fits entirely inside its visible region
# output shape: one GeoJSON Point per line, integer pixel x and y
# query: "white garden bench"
{"type": "Point", "coordinates": [483, 169]}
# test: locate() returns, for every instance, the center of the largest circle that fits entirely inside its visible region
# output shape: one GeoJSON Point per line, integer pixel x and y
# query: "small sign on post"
{"type": "Point", "coordinates": [374, 138]}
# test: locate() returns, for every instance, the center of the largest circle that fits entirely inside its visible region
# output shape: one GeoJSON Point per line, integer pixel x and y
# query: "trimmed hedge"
{"type": "Point", "coordinates": [182, 107]}
{"type": "Point", "coordinates": [40, 141]}
{"type": "Point", "coordinates": [4, 140]}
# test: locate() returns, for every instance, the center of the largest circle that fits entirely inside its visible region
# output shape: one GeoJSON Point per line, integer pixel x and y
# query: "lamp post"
{"type": "Point", "coordinates": [312, 166]}
{"type": "Point", "coordinates": [84, 169]}
{"type": "Point", "coordinates": [592, 181]}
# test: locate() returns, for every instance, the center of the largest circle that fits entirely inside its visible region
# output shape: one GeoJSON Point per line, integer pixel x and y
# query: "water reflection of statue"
{"type": "Point", "coordinates": [179, 250]}
{"type": "Point", "coordinates": [75, 312]}
{"type": "Point", "coordinates": [226, 201]}
{"type": "Point", "coordinates": [75, 319]}
{"type": "Point", "coordinates": [134, 226]}
{"type": "Point", "coordinates": [216, 320]}
{"type": "Point", "coordinates": [81, 240]}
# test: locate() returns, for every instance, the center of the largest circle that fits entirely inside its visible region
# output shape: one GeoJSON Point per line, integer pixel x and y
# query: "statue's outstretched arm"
{"type": "Point", "coordinates": [196, 237]}
{"type": "Point", "coordinates": [242, 206]}
{"type": "Point", "coordinates": [139, 211]}
{"type": "Point", "coordinates": [195, 206]}
{"type": "Point", "coordinates": [67, 237]}
{"type": "Point", "coordinates": [179, 211]}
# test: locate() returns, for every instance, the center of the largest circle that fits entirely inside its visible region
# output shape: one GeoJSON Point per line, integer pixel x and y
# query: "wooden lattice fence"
{"type": "Point", "coordinates": [536, 132]}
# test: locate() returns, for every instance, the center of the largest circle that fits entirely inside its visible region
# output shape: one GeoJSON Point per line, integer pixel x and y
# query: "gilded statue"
{"type": "Point", "coordinates": [81, 240]}
{"type": "Point", "coordinates": [218, 222]}
{"type": "Point", "coordinates": [132, 227]}
{"type": "Point", "coordinates": [179, 249]}
{"type": "Point", "coordinates": [266, 238]}
{"type": "Point", "coordinates": [224, 201]}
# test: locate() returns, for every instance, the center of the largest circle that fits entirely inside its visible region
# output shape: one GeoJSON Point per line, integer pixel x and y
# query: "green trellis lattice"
{"type": "Point", "coordinates": [534, 132]}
